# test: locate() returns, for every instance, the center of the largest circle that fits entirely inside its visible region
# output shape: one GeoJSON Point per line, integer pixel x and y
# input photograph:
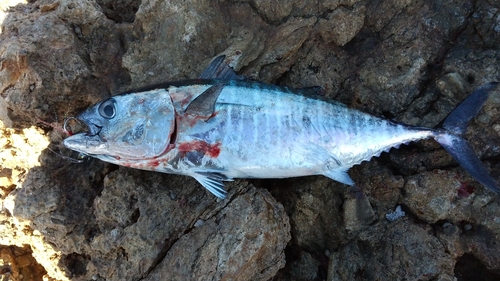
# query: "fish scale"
{"type": "Point", "coordinates": [264, 147]}
{"type": "Point", "coordinates": [215, 130]}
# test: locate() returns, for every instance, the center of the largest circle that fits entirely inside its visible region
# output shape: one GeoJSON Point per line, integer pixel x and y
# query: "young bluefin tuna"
{"type": "Point", "coordinates": [221, 129]}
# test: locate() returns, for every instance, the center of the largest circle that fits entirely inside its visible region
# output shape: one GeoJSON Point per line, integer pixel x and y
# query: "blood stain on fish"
{"type": "Point", "coordinates": [212, 150]}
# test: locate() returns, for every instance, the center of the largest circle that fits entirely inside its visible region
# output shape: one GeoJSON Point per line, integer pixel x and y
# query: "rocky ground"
{"type": "Point", "coordinates": [64, 218]}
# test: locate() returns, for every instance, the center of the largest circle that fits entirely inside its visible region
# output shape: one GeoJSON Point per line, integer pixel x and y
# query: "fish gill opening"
{"type": "Point", "coordinates": [173, 136]}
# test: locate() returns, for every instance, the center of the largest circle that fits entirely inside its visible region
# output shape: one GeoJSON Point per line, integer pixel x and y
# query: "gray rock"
{"type": "Point", "coordinates": [305, 268]}
{"type": "Point", "coordinates": [394, 251]}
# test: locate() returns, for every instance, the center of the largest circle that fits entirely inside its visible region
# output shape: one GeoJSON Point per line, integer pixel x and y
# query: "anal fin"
{"type": "Point", "coordinates": [339, 175]}
{"type": "Point", "coordinates": [212, 182]}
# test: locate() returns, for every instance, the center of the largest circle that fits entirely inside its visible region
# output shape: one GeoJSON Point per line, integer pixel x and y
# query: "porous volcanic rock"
{"type": "Point", "coordinates": [70, 218]}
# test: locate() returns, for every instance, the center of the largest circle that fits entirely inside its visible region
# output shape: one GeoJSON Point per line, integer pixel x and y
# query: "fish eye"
{"type": "Point", "coordinates": [107, 108]}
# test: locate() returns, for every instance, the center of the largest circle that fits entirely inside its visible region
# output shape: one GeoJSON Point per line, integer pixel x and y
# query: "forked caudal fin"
{"type": "Point", "coordinates": [455, 125]}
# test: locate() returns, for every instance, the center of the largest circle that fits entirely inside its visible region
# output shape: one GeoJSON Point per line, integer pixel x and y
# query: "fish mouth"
{"type": "Point", "coordinates": [85, 143]}
{"type": "Point", "coordinates": [94, 130]}
{"type": "Point", "coordinates": [74, 126]}
{"type": "Point", "coordinates": [83, 135]}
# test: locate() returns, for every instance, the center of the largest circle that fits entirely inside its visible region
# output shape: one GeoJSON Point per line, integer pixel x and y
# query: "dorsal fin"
{"type": "Point", "coordinates": [204, 104]}
{"type": "Point", "coordinates": [219, 69]}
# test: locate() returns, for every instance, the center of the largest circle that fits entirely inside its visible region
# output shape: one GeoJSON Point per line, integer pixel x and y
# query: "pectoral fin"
{"type": "Point", "coordinates": [204, 104]}
{"type": "Point", "coordinates": [212, 182]}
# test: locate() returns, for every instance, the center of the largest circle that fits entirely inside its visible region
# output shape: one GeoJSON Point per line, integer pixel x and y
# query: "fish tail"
{"type": "Point", "coordinates": [455, 125]}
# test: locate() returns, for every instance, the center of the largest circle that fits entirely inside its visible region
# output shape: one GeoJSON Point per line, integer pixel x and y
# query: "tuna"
{"type": "Point", "coordinates": [216, 130]}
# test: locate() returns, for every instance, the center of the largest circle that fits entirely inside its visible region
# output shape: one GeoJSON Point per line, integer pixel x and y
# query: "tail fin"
{"type": "Point", "coordinates": [456, 124]}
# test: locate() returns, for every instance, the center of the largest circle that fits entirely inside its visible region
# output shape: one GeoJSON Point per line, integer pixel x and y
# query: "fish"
{"type": "Point", "coordinates": [222, 126]}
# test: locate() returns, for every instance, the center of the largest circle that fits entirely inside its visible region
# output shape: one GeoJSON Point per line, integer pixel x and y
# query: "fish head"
{"type": "Point", "coordinates": [133, 126]}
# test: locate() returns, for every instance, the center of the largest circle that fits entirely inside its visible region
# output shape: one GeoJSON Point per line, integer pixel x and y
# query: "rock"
{"type": "Point", "coordinates": [283, 43]}
{"type": "Point", "coordinates": [440, 204]}
{"type": "Point", "coordinates": [342, 25]}
{"type": "Point", "coordinates": [137, 221]}
{"type": "Point", "coordinates": [266, 46]}
{"type": "Point", "coordinates": [40, 46]}
{"type": "Point", "coordinates": [18, 264]}
{"type": "Point", "coordinates": [358, 213]}
{"type": "Point", "coordinates": [411, 61]}
{"type": "Point", "coordinates": [120, 11]}
{"type": "Point", "coordinates": [244, 241]}
{"type": "Point", "coordinates": [24, 252]}
{"type": "Point", "coordinates": [397, 214]}
{"type": "Point", "coordinates": [381, 252]}
{"type": "Point", "coordinates": [273, 11]}
{"type": "Point", "coordinates": [449, 234]}
{"type": "Point", "coordinates": [313, 206]}
{"type": "Point", "coordinates": [305, 268]}
{"type": "Point", "coordinates": [146, 227]}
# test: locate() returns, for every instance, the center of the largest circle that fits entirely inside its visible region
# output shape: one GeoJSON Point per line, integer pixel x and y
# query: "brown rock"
{"type": "Point", "coordinates": [342, 25]}
{"type": "Point", "coordinates": [143, 227]}
{"type": "Point", "coordinates": [440, 204]}
{"type": "Point", "coordinates": [41, 46]}
{"type": "Point", "coordinates": [17, 263]}
{"type": "Point", "coordinates": [273, 11]}
{"type": "Point", "coordinates": [412, 61]}
{"type": "Point", "coordinates": [283, 43]}
{"type": "Point", "coordinates": [244, 241]}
